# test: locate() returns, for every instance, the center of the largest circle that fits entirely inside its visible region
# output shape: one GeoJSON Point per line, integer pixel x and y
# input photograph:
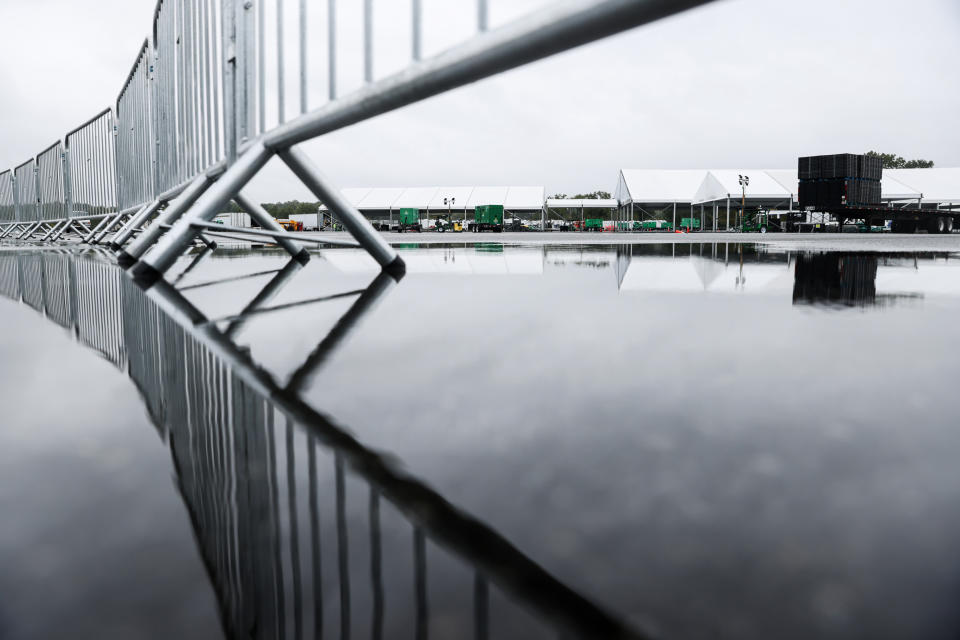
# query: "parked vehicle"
{"type": "Point", "coordinates": [409, 220]}
{"type": "Point", "coordinates": [593, 224]}
{"type": "Point", "coordinates": [290, 225]}
{"type": "Point", "coordinates": [488, 217]}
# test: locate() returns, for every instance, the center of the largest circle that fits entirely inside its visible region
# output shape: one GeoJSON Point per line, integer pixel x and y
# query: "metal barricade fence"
{"type": "Point", "coordinates": [231, 83]}
{"type": "Point", "coordinates": [26, 191]}
{"type": "Point", "coordinates": [8, 205]}
{"type": "Point", "coordinates": [187, 90]}
{"type": "Point", "coordinates": [51, 192]}
{"type": "Point", "coordinates": [134, 146]}
{"type": "Point", "coordinates": [91, 164]}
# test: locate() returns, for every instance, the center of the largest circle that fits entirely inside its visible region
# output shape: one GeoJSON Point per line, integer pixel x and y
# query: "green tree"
{"type": "Point", "coordinates": [893, 161]}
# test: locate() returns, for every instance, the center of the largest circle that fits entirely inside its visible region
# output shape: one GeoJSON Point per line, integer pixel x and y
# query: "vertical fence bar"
{"type": "Point", "coordinates": [247, 72]}
{"type": "Point", "coordinates": [315, 538]}
{"type": "Point", "coordinates": [332, 48]}
{"type": "Point", "coordinates": [481, 15]}
{"type": "Point", "coordinates": [417, 19]}
{"type": "Point", "coordinates": [342, 550]}
{"type": "Point", "coordinates": [368, 41]}
{"type": "Point", "coordinates": [281, 85]}
{"type": "Point", "coordinates": [229, 57]}
{"type": "Point", "coordinates": [261, 66]}
{"type": "Point", "coordinates": [303, 57]}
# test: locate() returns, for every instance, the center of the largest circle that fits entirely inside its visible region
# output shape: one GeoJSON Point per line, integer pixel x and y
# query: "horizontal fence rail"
{"type": "Point", "coordinates": [91, 155]}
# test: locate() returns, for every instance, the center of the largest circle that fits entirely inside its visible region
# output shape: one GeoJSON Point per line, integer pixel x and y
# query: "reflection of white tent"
{"type": "Point", "coordinates": [928, 278]}
{"type": "Point", "coordinates": [445, 260]}
{"type": "Point", "coordinates": [698, 274]}
{"type": "Point", "coordinates": [662, 274]}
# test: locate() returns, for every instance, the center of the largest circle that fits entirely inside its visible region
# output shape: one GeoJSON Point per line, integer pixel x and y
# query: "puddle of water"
{"type": "Point", "coordinates": [683, 440]}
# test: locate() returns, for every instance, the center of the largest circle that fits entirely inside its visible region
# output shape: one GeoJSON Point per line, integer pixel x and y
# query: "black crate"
{"type": "Point", "coordinates": [846, 164]}
{"type": "Point", "coordinates": [828, 167]}
{"type": "Point", "coordinates": [807, 193]}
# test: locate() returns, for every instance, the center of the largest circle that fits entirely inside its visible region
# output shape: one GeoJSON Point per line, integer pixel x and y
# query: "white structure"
{"type": "Point", "coordinates": [383, 202]}
{"type": "Point", "coordinates": [642, 190]}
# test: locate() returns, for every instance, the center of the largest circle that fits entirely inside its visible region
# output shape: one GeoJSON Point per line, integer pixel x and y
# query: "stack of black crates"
{"type": "Point", "coordinates": [843, 179]}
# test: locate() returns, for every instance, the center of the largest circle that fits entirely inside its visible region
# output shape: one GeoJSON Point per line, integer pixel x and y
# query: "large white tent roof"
{"type": "Point", "coordinates": [432, 198]}
{"type": "Point", "coordinates": [720, 184]}
{"type": "Point", "coordinates": [658, 185]}
{"type": "Point", "coordinates": [937, 184]}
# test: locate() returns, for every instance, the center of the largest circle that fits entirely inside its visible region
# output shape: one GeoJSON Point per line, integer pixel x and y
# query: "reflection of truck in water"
{"type": "Point", "coordinates": [488, 217]}
{"type": "Point", "coordinates": [408, 220]}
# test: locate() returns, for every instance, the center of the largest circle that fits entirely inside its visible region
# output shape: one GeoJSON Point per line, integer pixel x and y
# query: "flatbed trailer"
{"type": "Point", "coordinates": [903, 220]}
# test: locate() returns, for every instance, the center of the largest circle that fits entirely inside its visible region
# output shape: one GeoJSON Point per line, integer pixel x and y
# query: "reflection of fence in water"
{"type": "Point", "coordinates": [253, 483]}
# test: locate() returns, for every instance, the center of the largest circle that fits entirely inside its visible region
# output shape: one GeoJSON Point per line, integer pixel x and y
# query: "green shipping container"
{"type": "Point", "coordinates": [488, 214]}
{"type": "Point", "coordinates": [689, 223]}
{"type": "Point", "coordinates": [409, 216]}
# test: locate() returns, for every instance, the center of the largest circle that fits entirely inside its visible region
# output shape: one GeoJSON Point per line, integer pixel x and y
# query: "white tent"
{"type": "Point", "coordinates": [658, 186]}
{"type": "Point", "coordinates": [720, 184]}
{"type": "Point", "coordinates": [940, 185]}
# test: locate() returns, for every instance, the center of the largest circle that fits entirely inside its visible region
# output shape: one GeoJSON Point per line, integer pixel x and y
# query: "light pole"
{"type": "Point", "coordinates": [744, 181]}
{"type": "Point", "coordinates": [449, 202]}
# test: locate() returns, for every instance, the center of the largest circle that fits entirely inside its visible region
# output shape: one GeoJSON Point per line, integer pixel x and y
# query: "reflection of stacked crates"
{"type": "Point", "coordinates": [843, 179]}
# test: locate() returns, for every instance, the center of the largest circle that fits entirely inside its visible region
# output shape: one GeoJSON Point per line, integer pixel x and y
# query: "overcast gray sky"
{"type": "Point", "coordinates": [737, 84]}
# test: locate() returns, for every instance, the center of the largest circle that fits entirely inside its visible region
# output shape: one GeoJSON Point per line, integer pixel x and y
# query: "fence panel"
{"type": "Point", "coordinates": [134, 147]}
{"type": "Point", "coordinates": [187, 75]}
{"type": "Point", "coordinates": [92, 161]}
{"type": "Point", "coordinates": [9, 275]}
{"type": "Point", "coordinates": [98, 308]}
{"type": "Point", "coordinates": [8, 206]}
{"type": "Point", "coordinates": [56, 290]}
{"type": "Point", "coordinates": [27, 190]}
{"type": "Point", "coordinates": [52, 197]}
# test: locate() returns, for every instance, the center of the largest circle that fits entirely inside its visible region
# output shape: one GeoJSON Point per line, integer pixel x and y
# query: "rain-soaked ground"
{"type": "Point", "coordinates": [679, 440]}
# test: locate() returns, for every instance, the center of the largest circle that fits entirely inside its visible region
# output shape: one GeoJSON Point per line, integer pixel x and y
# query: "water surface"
{"type": "Point", "coordinates": [682, 441]}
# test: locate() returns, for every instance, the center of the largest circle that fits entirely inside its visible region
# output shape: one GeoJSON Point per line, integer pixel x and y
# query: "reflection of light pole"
{"type": "Point", "coordinates": [744, 181]}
